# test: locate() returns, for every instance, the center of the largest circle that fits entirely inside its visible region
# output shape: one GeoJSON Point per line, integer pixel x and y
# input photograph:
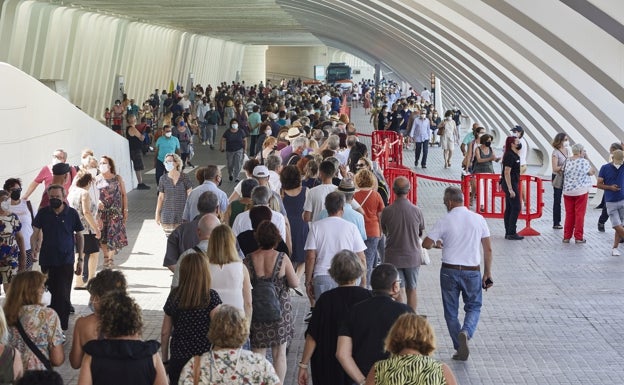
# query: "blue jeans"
{"type": "Point", "coordinates": [321, 284]}
{"type": "Point", "coordinates": [203, 127]}
{"type": "Point", "coordinates": [212, 134]}
{"type": "Point", "coordinates": [468, 284]}
{"type": "Point", "coordinates": [371, 256]}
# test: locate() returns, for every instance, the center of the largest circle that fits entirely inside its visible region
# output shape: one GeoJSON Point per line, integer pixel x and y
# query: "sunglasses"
{"type": "Point", "coordinates": [360, 165]}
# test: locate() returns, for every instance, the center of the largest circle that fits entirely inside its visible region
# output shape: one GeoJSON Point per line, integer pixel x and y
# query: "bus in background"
{"type": "Point", "coordinates": [336, 72]}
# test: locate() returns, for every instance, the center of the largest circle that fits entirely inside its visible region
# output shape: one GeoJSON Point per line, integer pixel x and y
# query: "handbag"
{"type": "Point", "coordinates": [557, 181]}
{"type": "Point", "coordinates": [31, 345]}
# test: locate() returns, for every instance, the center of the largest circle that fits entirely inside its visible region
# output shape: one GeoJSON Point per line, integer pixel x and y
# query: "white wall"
{"type": "Point", "coordinates": [253, 70]}
{"type": "Point", "coordinates": [38, 121]}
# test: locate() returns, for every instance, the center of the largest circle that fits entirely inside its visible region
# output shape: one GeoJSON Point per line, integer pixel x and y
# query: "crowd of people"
{"type": "Point", "coordinates": [308, 205]}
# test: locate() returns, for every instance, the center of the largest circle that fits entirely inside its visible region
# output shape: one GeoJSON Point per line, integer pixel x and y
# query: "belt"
{"type": "Point", "coordinates": [460, 267]}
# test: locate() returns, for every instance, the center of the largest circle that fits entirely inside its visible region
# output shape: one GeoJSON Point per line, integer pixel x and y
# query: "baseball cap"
{"type": "Point", "coordinates": [517, 129]}
{"type": "Point", "coordinates": [261, 172]}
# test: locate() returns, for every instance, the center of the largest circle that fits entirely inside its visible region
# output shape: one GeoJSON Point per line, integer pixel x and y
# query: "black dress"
{"type": "Point", "coordinates": [122, 362]}
{"type": "Point", "coordinates": [330, 309]}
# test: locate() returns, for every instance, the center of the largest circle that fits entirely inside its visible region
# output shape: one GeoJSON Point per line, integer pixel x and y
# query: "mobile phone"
{"type": "Point", "coordinates": [488, 282]}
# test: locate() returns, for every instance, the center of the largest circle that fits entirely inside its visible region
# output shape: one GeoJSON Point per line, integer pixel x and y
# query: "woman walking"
{"type": "Point", "coordinates": [233, 143]}
{"type": "Point", "coordinates": [576, 185]}
{"type": "Point", "coordinates": [113, 209]}
{"type": "Point", "coordinates": [559, 156]}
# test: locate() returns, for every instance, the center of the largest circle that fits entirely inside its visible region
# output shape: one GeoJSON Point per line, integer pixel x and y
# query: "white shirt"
{"type": "Point", "coordinates": [227, 280]}
{"type": "Point", "coordinates": [274, 181]}
{"type": "Point", "coordinates": [315, 199]}
{"type": "Point", "coordinates": [523, 151]}
{"type": "Point", "coordinates": [328, 236]}
{"type": "Point", "coordinates": [426, 96]}
{"type": "Point", "coordinates": [243, 223]}
{"type": "Point", "coordinates": [461, 232]}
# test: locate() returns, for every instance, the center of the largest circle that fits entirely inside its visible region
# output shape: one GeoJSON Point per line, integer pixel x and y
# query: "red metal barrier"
{"type": "Point", "coordinates": [378, 138]}
{"type": "Point", "coordinates": [344, 107]}
{"type": "Point", "coordinates": [391, 173]}
{"type": "Point", "coordinates": [490, 198]}
{"type": "Point", "coordinates": [395, 150]}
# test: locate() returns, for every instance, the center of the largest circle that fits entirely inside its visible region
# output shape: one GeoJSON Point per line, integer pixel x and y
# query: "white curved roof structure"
{"type": "Point", "coordinates": [549, 66]}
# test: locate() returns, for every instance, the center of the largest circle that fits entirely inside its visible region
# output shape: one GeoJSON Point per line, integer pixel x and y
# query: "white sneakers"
{"type": "Point", "coordinates": [615, 252]}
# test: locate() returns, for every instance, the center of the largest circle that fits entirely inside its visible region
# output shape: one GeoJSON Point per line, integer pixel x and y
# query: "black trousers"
{"type": "Point", "coordinates": [512, 210]}
{"type": "Point", "coordinates": [418, 148]}
{"type": "Point", "coordinates": [59, 283]}
{"type": "Point", "coordinates": [160, 170]}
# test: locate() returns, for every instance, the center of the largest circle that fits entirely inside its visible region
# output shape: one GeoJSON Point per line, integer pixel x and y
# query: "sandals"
{"type": "Point", "coordinates": [108, 263]}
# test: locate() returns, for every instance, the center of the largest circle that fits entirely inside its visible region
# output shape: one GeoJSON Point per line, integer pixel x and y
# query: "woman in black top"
{"type": "Point", "coordinates": [382, 118]}
{"type": "Point", "coordinates": [510, 184]}
{"type": "Point", "coordinates": [233, 143]}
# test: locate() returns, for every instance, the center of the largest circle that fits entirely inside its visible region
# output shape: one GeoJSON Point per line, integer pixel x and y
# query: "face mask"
{"type": "Point", "coordinates": [5, 205]}
{"type": "Point", "coordinates": [55, 203]}
{"type": "Point", "coordinates": [168, 166]}
{"type": "Point", "coordinates": [104, 168]}
{"type": "Point", "coordinates": [168, 134]}
{"type": "Point", "coordinates": [46, 298]}
{"type": "Point", "coordinates": [423, 116]}
{"type": "Point", "coordinates": [235, 126]}
{"type": "Point", "coordinates": [93, 172]}
{"type": "Point", "coordinates": [212, 108]}
{"type": "Point", "coordinates": [518, 146]}
{"type": "Point", "coordinates": [488, 144]}
{"type": "Point", "coordinates": [181, 124]}
{"type": "Point", "coordinates": [435, 115]}
{"type": "Point", "coordinates": [55, 160]}
{"type": "Point", "coordinates": [15, 194]}
{"type": "Point", "coordinates": [268, 132]}
{"type": "Point", "coordinates": [566, 143]}
{"type": "Point", "coordinates": [84, 161]}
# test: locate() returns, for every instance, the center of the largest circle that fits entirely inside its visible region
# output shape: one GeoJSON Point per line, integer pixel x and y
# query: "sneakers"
{"type": "Point", "coordinates": [514, 237]}
{"type": "Point", "coordinates": [204, 143]}
{"type": "Point", "coordinates": [463, 351]}
{"type": "Point", "coordinates": [580, 240]}
{"type": "Point", "coordinates": [615, 253]}
{"type": "Point", "coordinates": [557, 227]}
{"type": "Point", "coordinates": [601, 227]}
{"type": "Point", "coordinates": [142, 186]}
{"type": "Point", "coordinates": [566, 240]}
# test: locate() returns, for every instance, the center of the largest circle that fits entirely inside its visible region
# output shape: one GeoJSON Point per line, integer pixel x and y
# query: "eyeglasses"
{"type": "Point", "coordinates": [360, 165]}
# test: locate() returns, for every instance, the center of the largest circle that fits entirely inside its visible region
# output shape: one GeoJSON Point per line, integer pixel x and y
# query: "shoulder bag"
{"type": "Point", "coordinates": [31, 345]}
{"type": "Point", "coordinates": [557, 181]}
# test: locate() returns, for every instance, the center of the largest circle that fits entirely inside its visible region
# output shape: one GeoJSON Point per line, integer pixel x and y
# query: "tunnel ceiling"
{"type": "Point", "coordinates": [551, 66]}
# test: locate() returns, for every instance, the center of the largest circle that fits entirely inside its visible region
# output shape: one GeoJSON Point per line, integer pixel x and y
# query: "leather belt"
{"type": "Point", "coordinates": [461, 267]}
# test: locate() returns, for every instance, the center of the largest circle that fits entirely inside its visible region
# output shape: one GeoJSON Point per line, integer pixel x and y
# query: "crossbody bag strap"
{"type": "Point", "coordinates": [31, 345]}
{"type": "Point", "coordinates": [278, 264]}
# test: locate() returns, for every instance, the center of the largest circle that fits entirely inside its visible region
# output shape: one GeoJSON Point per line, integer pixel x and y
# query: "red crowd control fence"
{"type": "Point", "coordinates": [490, 198]}
{"type": "Point", "coordinates": [394, 152]}
{"type": "Point", "coordinates": [391, 173]}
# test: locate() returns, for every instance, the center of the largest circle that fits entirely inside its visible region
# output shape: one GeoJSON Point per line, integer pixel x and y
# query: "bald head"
{"type": "Point", "coordinates": [206, 224]}
{"type": "Point", "coordinates": [401, 186]}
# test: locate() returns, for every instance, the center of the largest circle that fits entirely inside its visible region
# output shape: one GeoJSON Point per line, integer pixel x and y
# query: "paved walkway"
{"type": "Point", "coordinates": [554, 316]}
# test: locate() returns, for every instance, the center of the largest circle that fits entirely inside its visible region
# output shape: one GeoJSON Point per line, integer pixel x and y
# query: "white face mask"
{"type": "Point", "coordinates": [5, 205]}
{"type": "Point", "coordinates": [235, 126]}
{"type": "Point", "coordinates": [104, 168]}
{"type": "Point", "coordinates": [169, 166]}
{"type": "Point", "coordinates": [268, 132]}
{"type": "Point", "coordinates": [168, 134]}
{"type": "Point", "coordinates": [46, 298]}
{"type": "Point", "coordinates": [55, 160]}
{"type": "Point", "coordinates": [423, 116]}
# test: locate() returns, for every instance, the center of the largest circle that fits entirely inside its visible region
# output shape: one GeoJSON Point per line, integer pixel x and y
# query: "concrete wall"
{"type": "Point", "coordinates": [88, 50]}
{"type": "Point", "coordinates": [253, 70]}
{"type": "Point", "coordinates": [38, 121]}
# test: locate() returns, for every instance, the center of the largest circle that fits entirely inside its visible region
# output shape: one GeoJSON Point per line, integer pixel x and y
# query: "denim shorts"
{"type": "Point", "coordinates": [616, 212]}
{"type": "Point", "coordinates": [408, 277]}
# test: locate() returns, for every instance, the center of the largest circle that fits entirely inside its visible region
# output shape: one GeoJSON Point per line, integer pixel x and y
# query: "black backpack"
{"type": "Point", "coordinates": [265, 295]}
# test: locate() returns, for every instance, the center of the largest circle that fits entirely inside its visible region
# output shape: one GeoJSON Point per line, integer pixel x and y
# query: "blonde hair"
{"type": "Point", "coordinates": [176, 159]}
{"type": "Point", "coordinates": [228, 328]}
{"type": "Point", "coordinates": [222, 246]}
{"type": "Point", "coordinates": [24, 290]}
{"type": "Point", "coordinates": [269, 142]}
{"type": "Point", "coordinates": [410, 331]}
{"type": "Point", "coordinates": [194, 289]}
{"type": "Point", "coordinates": [365, 178]}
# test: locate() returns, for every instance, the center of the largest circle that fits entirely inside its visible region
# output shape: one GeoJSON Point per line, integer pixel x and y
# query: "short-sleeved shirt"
{"type": "Point", "coordinates": [175, 198]}
{"type": "Point", "coordinates": [43, 326]}
{"type": "Point", "coordinates": [612, 175]}
{"type": "Point", "coordinates": [243, 223]}
{"type": "Point", "coordinates": [45, 176]}
{"type": "Point", "coordinates": [190, 208]}
{"type": "Point", "coordinates": [577, 180]}
{"type": "Point", "coordinates": [351, 216]}
{"type": "Point", "coordinates": [190, 326]}
{"type": "Point", "coordinates": [461, 232]}
{"type": "Point", "coordinates": [402, 222]}
{"type": "Point", "coordinates": [372, 204]}
{"type": "Point", "coordinates": [511, 160]}
{"type": "Point", "coordinates": [58, 230]}
{"type": "Point", "coordinates": [167, 146]}
{"type": "Point", "coordinates": [368, 323]}
{"type": "Point", "coordinates": [328, 236]}
{"type": "Point", "coordinates": [233, 140]}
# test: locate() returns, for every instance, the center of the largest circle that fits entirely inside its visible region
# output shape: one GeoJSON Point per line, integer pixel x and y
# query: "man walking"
{"type": "Point", "coordinates": [57, 232]}
{"type": "Point", "coordinates": [460, 234]}
{"type": "Point", "coordinates": [420, 134]}
{"type": "Point", "coordinates": [611, 180]}
{"type": "Point", "coordinates": [403, 223]}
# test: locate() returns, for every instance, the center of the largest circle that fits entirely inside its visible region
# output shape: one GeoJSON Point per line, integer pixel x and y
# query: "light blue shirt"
{"type": "Point", "coordinates": [349, 215]}
{"type": "Point", "coordinates": [190, 208]}
{"type": "Point", "coordinates": [167, 146]}
{"type": "Point", "coordinates": [254, 118]}
{"type": "Point", "coordinates": [420, 130]}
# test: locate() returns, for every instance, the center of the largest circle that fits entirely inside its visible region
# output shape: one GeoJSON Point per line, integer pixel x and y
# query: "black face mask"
{"type": "Point", "coordinates": [55, 203]}
{"type": "Point", "coordinates": [488, 144]}
{"type": "Point", "coordinates": [15, 194]}
{"type": "Point", "coordinates": [518, 146]}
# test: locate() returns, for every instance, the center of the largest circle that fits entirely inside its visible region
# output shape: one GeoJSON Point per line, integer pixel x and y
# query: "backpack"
{"type": "Point", "coordinates": [265, 295]}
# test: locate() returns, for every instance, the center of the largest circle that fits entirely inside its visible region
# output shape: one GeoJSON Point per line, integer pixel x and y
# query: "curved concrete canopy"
{"type": "Point", "coordinates": [550, 66]}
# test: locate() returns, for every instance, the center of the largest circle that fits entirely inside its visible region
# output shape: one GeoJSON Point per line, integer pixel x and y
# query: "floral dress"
{"type": "Point", "coordinates": [113, 226]}
{"type": "Point", "coordinates": [230, 366]}
{"type": "Point", "coordinates": [43, 326]}
{"type": "Point", "coordinates": [9, 252]}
